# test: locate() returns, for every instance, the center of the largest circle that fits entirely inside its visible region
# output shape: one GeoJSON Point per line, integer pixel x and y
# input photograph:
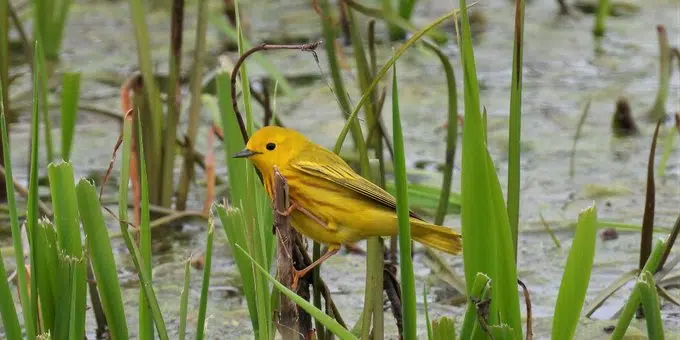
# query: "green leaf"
{"type": "Point", "coordinates": [650, 305]}
{"type": "Point", "coordinates": [443, 329]}
{"type": "Point", "coordinates": [145, 318]}
{"type": "Point", "coordinates": [351, 119]}
{"type": "Point", "coordinates": [10, 319]}
{"type": "Point", "coordinates": [233, 225]}
{"type": "Point", "coordinates": [430, 335]}
{"type": "Point", "coordinates": [70, 93]}
{"type": "Point", "coordinates": [488, 244]}
{"type": "Point", "coordinates": [102, 259]}
{"type": "Point", "coordinates": [200, 325]}
{"type": "Point", "coordinates": [184, 301]}
{"type": "Point", "coordinates": [408, 292]}
{"type": "Point", "coordinates": [144, 276]}
{"type": "Point", "coordinates": [65, 205]}
{"type": "Point", "coordinates": [481, 289]}
{"type": "Point", "coordinates": [45, 266]}
{"type": "Point", "coordinates": [515, 127]}
{"type": "Point", "coordinates": [576, 277]}
{"type": "Point", "coordinates": [634, 299]}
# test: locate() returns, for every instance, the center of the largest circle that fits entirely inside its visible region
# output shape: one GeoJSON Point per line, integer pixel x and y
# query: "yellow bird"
{"type": "Point", "coordinates": [330, 202]}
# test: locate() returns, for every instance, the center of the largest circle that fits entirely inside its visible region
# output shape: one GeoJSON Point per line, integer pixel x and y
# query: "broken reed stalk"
{"type": "Point", "coordinates": [264, 47]}
{"type": "Point", "coordinates": [288, 313]}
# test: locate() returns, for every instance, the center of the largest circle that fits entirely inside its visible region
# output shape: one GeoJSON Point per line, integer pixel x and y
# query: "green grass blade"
{"type": "Point", "coordinates": [515, 124]}
{"type": "Point", "coordinates": [10, 319]}
{"type": "Point", "coordinates": [317, 314]}
{"type": "Point", "coordinates": [483, 211]}
{"type": "Point", "coordinates": [64, 201]}
{"type": "Point", "coordinates": [480, 291]}
{"type": "Point", "coordinates": [69, 109]}
{"type": "Point", "coordinates": [78, 297]}
{"type": "Point", "coordinates": [430, 336]}
{"type": "Point", "coordinates": [184, 301]}
{"type": "Point", "coordinates": [65, 273]}
{"type": "Point", "coordinates": [668, 146]}
{"type": "Point", "coordinates": [381, 73]}
{"type": "Point", "coordinates": [145, 317]}
{"type": "Point", "coordinates": [451, 134]}
{"type": "Point", "coordinates": [408, 292]}
{"type": "Point", "coordinates": [233, 142]}
{"type": "Point", "coordinates": [257, 213]}
{"type": "Point", "coordinates": [103, 261]}
{"type": "Point", "coordinates": [200, 326]}
{"type": "Point", "coordinates": [67, 223]}
{"type": "Point", "coordinates": [145, 64]}
{"type": "Point", "coordinates": [634, 299]}
{"type": "Point", "coordinates": [41, 83]}
{"type": "Point", "coordinates": [576, 277]}
{"type": "Point", "coordinates": [388, 15]}
{"type": "Point", "coordinates": [30, 313]}
{"type": "Point", "coordinates": [233, 225]}
{"type": "Point", "coordinates": [145, 282]}
{"type": "Point", "coordinates": [443, 329]}
{"type": "Point", "coordinates": [650, 305]}
{"type": "Point", "coordinates": [46, 265]}
{"type": "Point", "coordinates": [144, 277]}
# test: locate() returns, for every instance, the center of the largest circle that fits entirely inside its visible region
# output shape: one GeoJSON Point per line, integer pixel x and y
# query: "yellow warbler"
{"type": "Point", "coordinates": [330, 202]}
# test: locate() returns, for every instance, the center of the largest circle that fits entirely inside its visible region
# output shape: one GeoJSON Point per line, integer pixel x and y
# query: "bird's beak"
{"type": "Point", "coordinates": [245, 153]}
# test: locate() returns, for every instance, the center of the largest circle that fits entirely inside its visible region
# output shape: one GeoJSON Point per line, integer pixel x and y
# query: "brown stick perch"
{"type": "Point", "coordinates": [287, 314]}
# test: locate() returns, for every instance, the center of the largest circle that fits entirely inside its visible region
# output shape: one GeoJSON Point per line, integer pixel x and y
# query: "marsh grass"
{"type": "Point", "coordinates": [53, 293]}
{"type": "Point", "coordinates": [54, 300]}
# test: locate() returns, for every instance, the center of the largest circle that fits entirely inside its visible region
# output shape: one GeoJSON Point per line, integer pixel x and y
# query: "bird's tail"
{"type": "Point", "coordinates": [437, 237]}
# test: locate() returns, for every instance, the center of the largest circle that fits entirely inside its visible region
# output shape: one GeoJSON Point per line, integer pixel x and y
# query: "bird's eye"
{"type": "Point", "coordinates": [271, 146]}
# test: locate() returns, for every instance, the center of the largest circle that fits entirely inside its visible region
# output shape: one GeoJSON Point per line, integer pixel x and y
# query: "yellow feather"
{"type": "Point", "coordinates": [320, 182]}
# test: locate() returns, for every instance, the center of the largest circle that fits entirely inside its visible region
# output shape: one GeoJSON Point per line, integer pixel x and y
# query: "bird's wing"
{"type": "Point", "coordinates": [321, 163]}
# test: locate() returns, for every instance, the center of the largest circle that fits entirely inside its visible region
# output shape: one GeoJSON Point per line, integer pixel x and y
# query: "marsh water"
{"type": "Point", "coordinates": [563, 69]}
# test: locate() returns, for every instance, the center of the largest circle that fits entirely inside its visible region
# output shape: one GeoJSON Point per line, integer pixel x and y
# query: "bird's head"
{"type": "Point", "coordinates": [272, 145]}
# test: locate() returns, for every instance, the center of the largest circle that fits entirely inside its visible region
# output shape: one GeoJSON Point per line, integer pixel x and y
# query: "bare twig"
{"type": "Point", "coordinates": [264, 47]}
{"type": "Point", "coordinates": [527, 301]}
{"type": "Point", "coordinates": [288, 314]}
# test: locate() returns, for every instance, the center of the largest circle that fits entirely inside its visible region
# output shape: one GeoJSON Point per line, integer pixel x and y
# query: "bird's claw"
{"type": "Point", "coordinates": [288, 210]}
{"type": "Point", "coordinates": [297, 274]}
